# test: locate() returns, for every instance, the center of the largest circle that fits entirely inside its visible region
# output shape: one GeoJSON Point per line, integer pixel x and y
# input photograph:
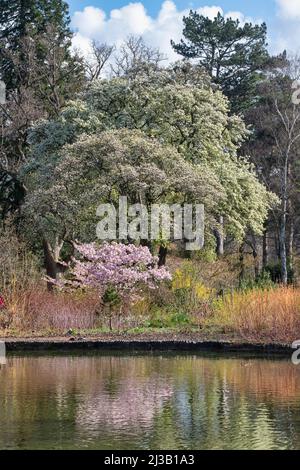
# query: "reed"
{"type": "Point", "coordinates": [270, 314]}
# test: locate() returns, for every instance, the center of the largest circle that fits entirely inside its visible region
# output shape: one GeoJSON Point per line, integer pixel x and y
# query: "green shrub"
{"type": "Point", "coordinates": [167, 318]}
{"type": "Point", "coordinates": [264, 281]}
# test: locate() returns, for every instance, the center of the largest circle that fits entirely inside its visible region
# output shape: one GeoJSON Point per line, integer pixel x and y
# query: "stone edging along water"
{"type": "Point", "coordinates": [73, 344]}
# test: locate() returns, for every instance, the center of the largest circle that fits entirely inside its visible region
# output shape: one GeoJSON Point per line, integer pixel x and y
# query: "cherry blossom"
{"type": "Point", "coordinates": [126, 269]}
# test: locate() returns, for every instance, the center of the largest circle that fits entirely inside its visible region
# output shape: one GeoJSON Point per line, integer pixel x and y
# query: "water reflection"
{"type": "Point", "coordinates": [149, 402]}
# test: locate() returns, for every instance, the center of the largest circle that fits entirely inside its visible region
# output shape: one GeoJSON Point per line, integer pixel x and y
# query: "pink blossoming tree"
{"type": "Point", "coordinates": [120, 273]}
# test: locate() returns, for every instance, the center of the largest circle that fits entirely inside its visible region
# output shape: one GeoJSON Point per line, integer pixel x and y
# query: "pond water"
{"type": "Point", "coordinates": [148, 401]}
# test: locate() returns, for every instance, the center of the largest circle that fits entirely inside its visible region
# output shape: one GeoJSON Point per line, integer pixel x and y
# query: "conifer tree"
{"type": "Point", "coordinates": [20, 19]}
{"type": "Point", "coordinates": [40, 74]}
{"type": "Point", "coordinates": [232, 54]}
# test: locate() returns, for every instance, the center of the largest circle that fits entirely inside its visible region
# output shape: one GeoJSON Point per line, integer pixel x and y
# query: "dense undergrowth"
{"type": "Point", "coordinates": [202, 296]}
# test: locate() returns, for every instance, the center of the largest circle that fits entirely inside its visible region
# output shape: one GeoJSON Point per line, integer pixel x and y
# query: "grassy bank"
{"type": "Point", "coordinates": [259, 315]}
{"type": "Point", "coordinates": [203, 299]}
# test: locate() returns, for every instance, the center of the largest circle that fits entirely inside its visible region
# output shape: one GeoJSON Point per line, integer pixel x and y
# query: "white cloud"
{"type": "Point", "coordinates": [131, 19]}
{"type": "Point", "coordinates": [82, 44]}
{"type": "Point", "coordinates": [285, 30]}
{"type": "Point", "coordinates": [237, 15]}
{"type": "Point", "coordinates": [93, 23]}
{"type": "Point", "coordinates": [289, 9]}
{"type": "Point", "coordinates": [210, 12]}
{"type": "Point", "coordinates": [89, 22]}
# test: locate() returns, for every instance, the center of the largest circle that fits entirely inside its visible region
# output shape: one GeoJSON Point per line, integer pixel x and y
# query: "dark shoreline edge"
{"type": "Point", "coordinates": [146, 346]}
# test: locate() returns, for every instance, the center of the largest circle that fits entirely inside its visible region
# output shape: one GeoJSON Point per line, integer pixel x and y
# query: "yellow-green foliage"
{"type": "Point", "coordinates": [141, 307]}
{"type": "Point", "coordinates": [187, 278]}
{"type": "Point", "coordinates": [269, 314]}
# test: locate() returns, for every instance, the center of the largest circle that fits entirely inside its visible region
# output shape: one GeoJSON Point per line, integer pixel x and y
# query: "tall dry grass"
{"type": "Point", "coordinates": [59, 312]}
{"type": "Point", "coordinates": [268, 315]}
{"type": "Point", "coordinates": [19, 274]}
{"type": "Point", "coordinates": [28, 304]}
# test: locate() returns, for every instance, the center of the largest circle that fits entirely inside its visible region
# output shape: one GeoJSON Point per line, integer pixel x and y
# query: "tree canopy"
{"type": "Point", "coordinates": [231, 53]}
{"type": "Point", "coordinates": [20, 19]}
{"type": "Point", "coordinates": [153, 138]}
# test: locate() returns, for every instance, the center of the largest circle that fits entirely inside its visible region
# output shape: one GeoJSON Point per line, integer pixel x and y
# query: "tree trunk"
{"type": "Point", "coordinates": [255, 257]}
{"type": "Point", "coordinates": [51, 259]}
{"type": "Point", "coordinates": [219, 235]}
{"type": "Point", "coordinates": [291, 244]}
{"type": "Point", "coordinates": [265, 249]}
{"type": "Point", "coordinates": [282, 231]}
{"type": "Point", "coordinates": [242, 265]}
{"type": "Point", "coordinates": [162, 256]}
{"type": "Point", "coordinates": [283, 256]}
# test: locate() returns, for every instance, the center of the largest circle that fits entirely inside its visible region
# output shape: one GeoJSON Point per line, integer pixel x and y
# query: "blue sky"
{"type": "Point", "coordinates": [262, 8]}
{"type": "Point", "coordinates": [158, 21]}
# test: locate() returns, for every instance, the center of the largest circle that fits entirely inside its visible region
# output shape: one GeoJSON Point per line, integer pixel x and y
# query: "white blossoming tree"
{"type": "Point", "coordinates": [165, 135]}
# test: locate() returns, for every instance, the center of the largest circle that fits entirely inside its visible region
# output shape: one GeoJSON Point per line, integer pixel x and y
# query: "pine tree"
{"type": "Point", "coordinates": [27, 18]}
{"type": "Point", "coordinates": [17, 17]}
{"type": "Point", "coordinates": [40, 74]}
{"type": "Point", "coordinates": [232, 54]}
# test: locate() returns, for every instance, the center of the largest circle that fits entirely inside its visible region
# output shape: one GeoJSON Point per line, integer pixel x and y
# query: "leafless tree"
{"type": "Point", "coordinates": [46, 76]}
{"type": "Point", "coordinates": [276, 151]}
{"type": "Point", "coordinates": [96, 61]}
{"type": "Point", "coordinates": [134, 56]}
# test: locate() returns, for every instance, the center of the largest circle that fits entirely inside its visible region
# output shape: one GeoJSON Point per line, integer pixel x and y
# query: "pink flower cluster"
{"type": "Point", "coordinates": [126, 268]}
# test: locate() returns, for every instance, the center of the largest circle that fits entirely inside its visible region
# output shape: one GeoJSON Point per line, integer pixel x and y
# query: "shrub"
{"type": "Point", "coordinates": [19, 274]}
{"type": "Point", "coordinates": [264, 281]}
{"type": "Point", "coordinates": [119, 273]}
{"type": "Point", "coordinates": [60, 311]}
{"type": "Point", "coordinates": [266, 314]}
{"type": "Point", "coordinates": [27, 305]}
{"type": "Point", "coordinates": [190, 294]}
{"type": "Point", "coordinates": [167, 318]}
{"type": "Point", "coordinates": [274, 271]}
